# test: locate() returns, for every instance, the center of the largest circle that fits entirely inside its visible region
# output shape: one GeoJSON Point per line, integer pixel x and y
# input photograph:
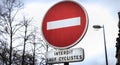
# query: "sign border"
{"type": "Point", "coordinates": [80, 38]}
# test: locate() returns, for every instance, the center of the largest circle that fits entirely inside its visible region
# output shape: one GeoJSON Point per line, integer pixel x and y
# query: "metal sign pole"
{"type": "Point", "coordinates": [66, 63]}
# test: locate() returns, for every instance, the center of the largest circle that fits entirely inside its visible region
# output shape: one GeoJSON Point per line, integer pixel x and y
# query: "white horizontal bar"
{"type": "Point", "coordinates": [63, 23]}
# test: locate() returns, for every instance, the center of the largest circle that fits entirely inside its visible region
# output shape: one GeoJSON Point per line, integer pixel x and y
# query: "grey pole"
{"type": "Point", "coordinates": [106, 57]}
{"type": "Point", "coordinates": [98, 27]}
{"type": "Point", "coordinates": [66, 63]}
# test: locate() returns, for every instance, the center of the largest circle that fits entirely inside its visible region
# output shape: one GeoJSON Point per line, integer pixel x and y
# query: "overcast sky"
{"type": "Point", "coordinates": [100, 12]}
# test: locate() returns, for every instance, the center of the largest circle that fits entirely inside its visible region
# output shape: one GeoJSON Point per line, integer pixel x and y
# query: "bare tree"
{"type": "Point", "coordinates": [8, 12]}
{"type": "Point", "coordinates": [9, 29]}
{"type": "Point", "coordinates": [34, 46]}
{"type": "Point", "coordinates": [3, 52]}
{"type": "Point", "coordinates": [26, 36]}
{"type": "Point", "coordinates": [38, 47]}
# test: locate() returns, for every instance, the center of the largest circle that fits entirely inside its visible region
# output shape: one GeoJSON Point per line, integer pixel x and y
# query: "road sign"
{"type": "Point", "coordinates": [67, 55]}
{"type": "Point", "coordinates": [64, 24]}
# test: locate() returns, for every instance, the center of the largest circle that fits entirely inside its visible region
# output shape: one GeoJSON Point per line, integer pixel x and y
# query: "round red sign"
{"type": "Point", "coordinates": [64, 24]}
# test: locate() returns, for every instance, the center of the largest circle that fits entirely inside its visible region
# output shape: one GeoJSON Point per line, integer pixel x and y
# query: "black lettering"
{"type": "Point", "coordinates": [51, 59]}
{"type": "Point", "coordinates": [80, 56]}
{"type": "Point", "coordinates": [59, 58]}
{"type": "Point", "coordinates": [63, 52]}
{"type": "Point", "coordinates": [65, 58]}
{"type": "Point", "coordinates": [55, 53]}
{"type": "Point", "coordinates": [71, 57]}
{"type": "Point", "coordinates": [77, 57]}
{"type": "Point", "coordinates": [68, 57]}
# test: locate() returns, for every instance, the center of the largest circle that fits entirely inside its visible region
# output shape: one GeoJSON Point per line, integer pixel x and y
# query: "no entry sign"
{"type": "Point", "coordinates": [64, 24]}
